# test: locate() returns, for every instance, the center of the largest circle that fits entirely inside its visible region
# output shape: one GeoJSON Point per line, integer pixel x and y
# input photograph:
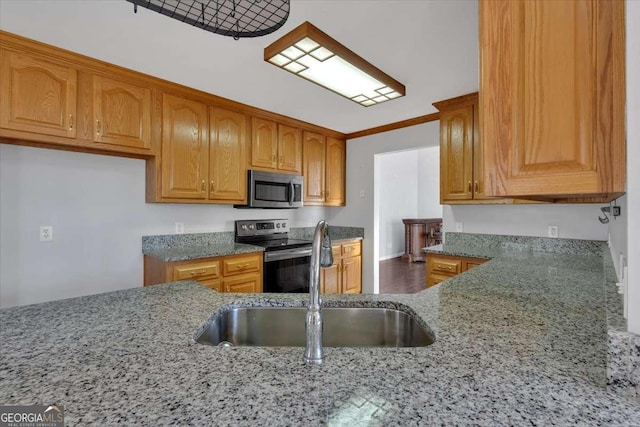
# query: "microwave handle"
{"type": "Point", "coordinates": [291, 193]}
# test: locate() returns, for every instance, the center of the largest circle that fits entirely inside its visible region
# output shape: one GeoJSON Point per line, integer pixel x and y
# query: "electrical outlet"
{"type": "Point", "coordinates": [459, 227]}
{"type": "Point", "coordinates": [362, 194]}
{"type": "Point", "coordinates": [553, 231]}
{"type": "Point", "coordinates": [389, 245]}
{"type": "Point", "coordinates": [46, 233]}
{"type": "Point", "coordinates": [179, 227]}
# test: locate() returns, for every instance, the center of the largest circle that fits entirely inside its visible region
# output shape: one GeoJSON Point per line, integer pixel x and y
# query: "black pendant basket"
{"type": "Point", "coordinates": [234, 18]}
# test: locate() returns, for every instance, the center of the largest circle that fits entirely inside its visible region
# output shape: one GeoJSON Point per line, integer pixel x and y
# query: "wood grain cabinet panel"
{"type": "Point", "coordinates": [185, 148]}
{"type": "Point", "coordinates": [289, 149]}
{"type": "Point", "coordinates": [227, 163]}
{"type": "Point", "coordinates": [122, 113]}
{"type": "Point", "coordinates": [39, 95]}
{"type": "Point", "coordinates": [232, 273]}
{"type": "Point", "coordinates": [264, 143]}
{"type": "Point", "coordinates": [335, 173]}
{"type": "Point", "coordinates": [552, 97]}
{"type": "Point", "coordinates": [456, 154]}
{"type": "Point", "coordinates": [345, 275]}
{"type": "Point", "coordinates": [443, 267]}
{"type": "Point", "coordinates": [314, 160]}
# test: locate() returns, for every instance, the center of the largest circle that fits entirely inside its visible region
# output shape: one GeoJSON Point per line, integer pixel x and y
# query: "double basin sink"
{"type": "Point", "coordinates": [342, 327]}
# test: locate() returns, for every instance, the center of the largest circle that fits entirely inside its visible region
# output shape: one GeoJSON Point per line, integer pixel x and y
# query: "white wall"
{"type": "Point", "coordinates": [573, 221]}
{"type": "Point", "coordinates": [429, 183]}
{"type": "Point", "coordinates": [398, 193]}
{"type": "Point", "coordinates": [633, 164]}
{"type": "Point", "coordinates": [409, 187]}
{"type": "Point", "coordinates": [96, 205]}
{"type": "Point", "coordinates": [360, 211]}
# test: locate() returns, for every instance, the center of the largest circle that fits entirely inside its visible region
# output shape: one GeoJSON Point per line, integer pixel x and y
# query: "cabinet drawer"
{"type": "Point", "coordinates": [336, 251]}
{"type": "Point", "coordinates": [435, 278]}
{"type": "Point", "coordinates": [351, 249]}
{"type": "Point", "coordinates": [241, 265]}
{"type": "Point", "coordinates": [446, 266]}
{"type": "Point", "coordinates": [210, 269]}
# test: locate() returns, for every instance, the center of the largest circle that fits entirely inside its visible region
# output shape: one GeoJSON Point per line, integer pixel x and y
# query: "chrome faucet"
{"type": "Point", "coordinates": [321, 256]}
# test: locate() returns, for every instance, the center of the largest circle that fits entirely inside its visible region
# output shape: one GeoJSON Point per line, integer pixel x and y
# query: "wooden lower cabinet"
{"type": "Point", "coordinates": [345, 275]}
{"type": "Point", "coordinates": [443, 267]}
{"type": "Point", "coordinates": [234, 273]}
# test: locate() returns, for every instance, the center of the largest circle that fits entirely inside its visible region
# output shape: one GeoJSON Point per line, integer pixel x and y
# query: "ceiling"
{"type": "Point", "coordinates": [429, 46]}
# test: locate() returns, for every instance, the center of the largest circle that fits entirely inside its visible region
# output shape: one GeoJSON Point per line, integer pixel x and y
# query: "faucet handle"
{"type": "Point", "coordinates": [326, 252]}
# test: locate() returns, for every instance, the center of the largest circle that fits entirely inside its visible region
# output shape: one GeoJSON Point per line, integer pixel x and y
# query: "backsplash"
{"type": "Point", "coordinates": [525, 243]}
{"type": "Point", "coordinates": [335, 232]}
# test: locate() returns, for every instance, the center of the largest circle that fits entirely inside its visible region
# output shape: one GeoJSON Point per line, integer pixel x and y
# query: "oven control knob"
{"type": "Point", "coordinates": [244, 226]}
{"type": "Point", "coordinates": [277, 225]}
{"type": "Point", "coordinates": [251, 226]}
{"type": "Point", "coordinates": [284, 225]}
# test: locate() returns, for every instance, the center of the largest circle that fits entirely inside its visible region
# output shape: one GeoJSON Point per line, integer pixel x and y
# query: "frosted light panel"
{"type": "Point", "coordinates": [313, 55]}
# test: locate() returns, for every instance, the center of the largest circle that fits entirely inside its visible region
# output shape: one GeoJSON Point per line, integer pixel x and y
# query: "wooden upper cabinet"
{"type": "Point", "coordinates": [335, 172]}
{"type": "Point", "coordinates": [456, 154]}
{"type": "Point", "coordinates": [289, 149]}
{"type": "Point", "coordinates": [264, 143]}
{"type": "Point", "coordinates": [185, 148]}
{"type": "Point", "coordinates": [552, 97]}
{"type": "Point", "coordinates": [38, 95]}
{"type": "Point", "coordinates": [227, 164]}
{"type": "Point", "coordinates": [314, 158]}
{"type": "Point", "coordinates": [122, 113]}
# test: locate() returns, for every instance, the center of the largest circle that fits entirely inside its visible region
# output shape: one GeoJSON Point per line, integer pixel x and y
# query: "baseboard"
{"type": "Point", "coordinates": [386, 257]}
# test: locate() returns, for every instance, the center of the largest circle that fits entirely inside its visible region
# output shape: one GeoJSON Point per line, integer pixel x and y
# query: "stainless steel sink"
{"type": "Point", "coordinates": [343, 327]}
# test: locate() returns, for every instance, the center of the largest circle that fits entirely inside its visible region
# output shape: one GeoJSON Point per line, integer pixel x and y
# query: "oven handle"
{"type": "Point", "coordinates": [287, 254]}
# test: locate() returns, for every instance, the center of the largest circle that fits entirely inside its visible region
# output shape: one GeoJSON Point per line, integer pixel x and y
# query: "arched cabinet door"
{"type": "Point", "coordinates": [38, 95]}
{"type": "Point", "coordinates": [227, 156]}
{"type": "Point", "coordinates": [122, 113]}
{"type": "Point", "coordinates": [185, 148]}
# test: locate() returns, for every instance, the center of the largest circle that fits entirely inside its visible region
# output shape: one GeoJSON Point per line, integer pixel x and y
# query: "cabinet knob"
{"type": "Point", "coordinates": [98, 127]}
{"type": "Point", "coordinates": [211, 186]}
{"type": "Point", "coordinates": [469, 186]}
{"type": "Point", "coordinates": [70, 121]}
{"type": "Point", "coordinates": [203, 186]}
{"type": "Point", "coordinates": [477, 187]}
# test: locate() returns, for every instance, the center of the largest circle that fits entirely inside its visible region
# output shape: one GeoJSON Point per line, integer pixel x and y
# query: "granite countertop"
{"type": "Point", "coordinates": [183, 247]}
{"type": "Point", "coordinates": [520, 340]}
{"type": "Point", "coordinates": [205, 251]}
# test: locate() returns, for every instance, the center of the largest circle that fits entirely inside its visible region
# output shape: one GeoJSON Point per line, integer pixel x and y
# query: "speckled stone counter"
{"type": "Point", "coordinates": [623, 358]}
{"type": "Point", "coordinates": [520, 340]}
{"type": "Point", "coordinates": [183, 247]}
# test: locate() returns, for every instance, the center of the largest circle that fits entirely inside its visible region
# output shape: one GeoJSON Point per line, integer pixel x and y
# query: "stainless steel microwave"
{"type": "Point", "coordinates": [273, 190]}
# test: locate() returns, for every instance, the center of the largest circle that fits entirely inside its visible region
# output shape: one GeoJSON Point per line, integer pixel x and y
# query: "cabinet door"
{"type": "Point", "coordinates": [185, 148]}
{"type": "Point", "coordinates": [352, 275]}
{"type": "Point", "coordinates": [227, 163]}
{"type": "Point", "coordinates": [38, 95]}
{"type": "Point", "coordinates": [215, 284]}
{"type": "Point", "coordinates": [552, 96]}
{"type": "Point", "coordinates": [314, 154]}
{"type": "Point", "coordinates": [289, 149]}
{"type": "Point", "coordinates": [247, 283]}
{"type": "Point", "coordinates": [264, 143]}
{"type": "Point", "coordinates": [122, 113]}
{"type": "Point", "coordinates": [335, 172]}
{"type": "Point", "coordinates": [456, 154]}
{"type": "Point", "coordinates": [330, 279]}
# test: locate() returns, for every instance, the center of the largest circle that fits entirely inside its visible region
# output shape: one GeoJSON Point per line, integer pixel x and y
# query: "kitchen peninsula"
{"type": "Point", "coordinates": [519, 339]}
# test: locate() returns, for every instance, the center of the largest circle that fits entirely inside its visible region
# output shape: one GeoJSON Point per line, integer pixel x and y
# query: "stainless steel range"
{"type": "Point", "coordinates": [286, 261]}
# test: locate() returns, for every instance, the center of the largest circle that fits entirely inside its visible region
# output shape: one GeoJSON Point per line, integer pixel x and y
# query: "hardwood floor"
{"type": "Point", "coordinates": [398, 277]}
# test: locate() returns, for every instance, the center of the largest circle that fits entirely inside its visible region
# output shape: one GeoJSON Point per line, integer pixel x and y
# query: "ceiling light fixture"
{"type": "Point", "coordinates": [310, 53]}
{"type": "Point", "coordinates": [234, 18]}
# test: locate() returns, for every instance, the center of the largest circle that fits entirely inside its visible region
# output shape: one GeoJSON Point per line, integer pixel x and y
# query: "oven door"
{"type": "Point", "coordinates": [287, 271]}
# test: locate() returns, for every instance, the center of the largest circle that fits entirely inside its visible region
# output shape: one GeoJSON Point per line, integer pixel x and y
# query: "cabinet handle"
{"type": "Point", "coordinates": [98, 127]}
{"type": "Point", "coordinates": [198, 273]}
{"type": "Point", "coordinates": [469, 186]}
{"type": "Point", "coordinates": [211, 186]}
{"type": "Point", "coordinates": [70, 121]}
{"type": "Point", "coordinates": [203, 187]}
{"type": "Point", "coordinates": [241, 267]}
{"type": "Point", "coordinates": [477, 187]}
